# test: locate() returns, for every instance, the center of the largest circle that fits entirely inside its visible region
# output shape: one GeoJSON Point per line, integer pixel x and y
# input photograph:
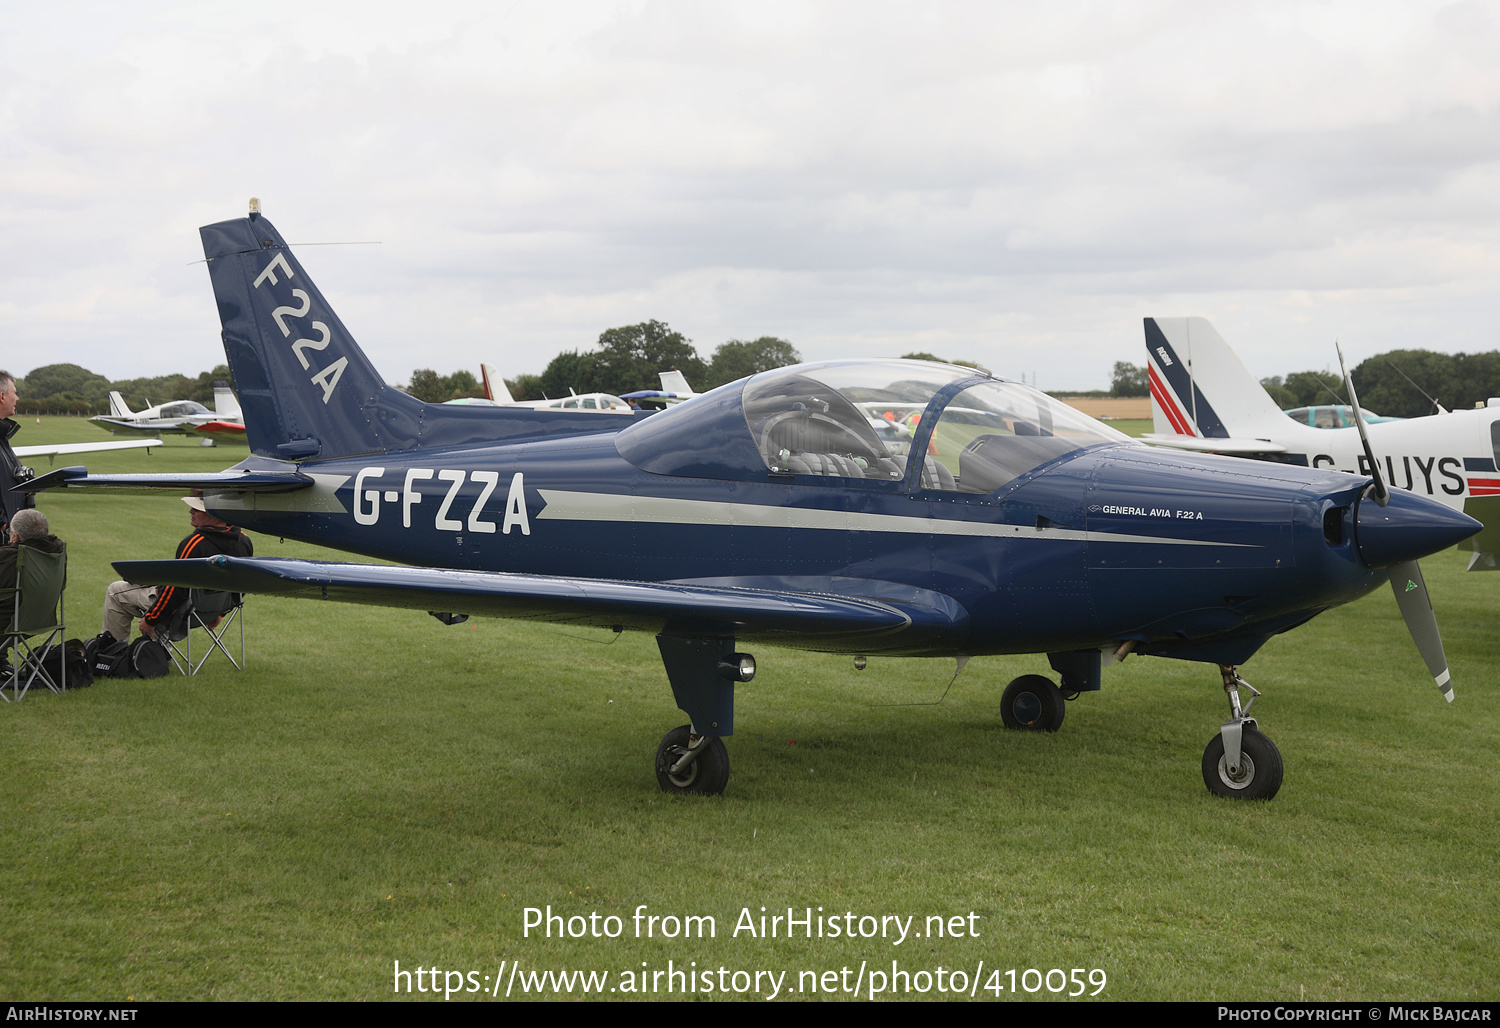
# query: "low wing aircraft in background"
{"type": "Point", "coordinates": [187, 417]}
{"type": "Point", "coordinates": [770, 510]}
{"type": "Point", "coordinates": [674, 389]}
{"type": "Point", "coordinates": [1204, 399]}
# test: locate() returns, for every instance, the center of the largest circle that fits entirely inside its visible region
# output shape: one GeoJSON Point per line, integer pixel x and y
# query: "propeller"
{"type": "Point", "coordinates": [1406, 576]}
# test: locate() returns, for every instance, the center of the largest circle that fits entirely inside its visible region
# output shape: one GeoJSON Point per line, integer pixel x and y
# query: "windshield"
{"type": "Point", "coordinates": [996, 431]}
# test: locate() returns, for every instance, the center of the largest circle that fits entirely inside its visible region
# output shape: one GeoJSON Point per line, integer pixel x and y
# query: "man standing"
{"type": "Point", "coordinates": [12, 472]}
{"type": "Point", "coordinates": [123, 601]}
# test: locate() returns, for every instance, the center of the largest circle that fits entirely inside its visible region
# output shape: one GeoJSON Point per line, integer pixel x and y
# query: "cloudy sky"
{"type": "Point", "coordinates": [1012, 183]}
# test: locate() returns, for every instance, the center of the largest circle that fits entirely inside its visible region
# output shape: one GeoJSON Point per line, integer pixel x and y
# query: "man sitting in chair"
{"type": "Point", "coordinates": [27, 528]}
{"type": "Point", "coordinates": [123, 601]}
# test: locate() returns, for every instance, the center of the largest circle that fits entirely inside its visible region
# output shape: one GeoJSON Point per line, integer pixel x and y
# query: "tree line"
{"type": "Point", "coordinates": [76, 390]}
{"type": "Point", "coordinates": [1398, 383]}
{"type": "Point", "coordinates": [624, 360]}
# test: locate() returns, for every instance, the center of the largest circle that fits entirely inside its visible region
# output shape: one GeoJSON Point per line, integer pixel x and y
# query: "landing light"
{"type": "Point", "coordinates": [737, 667]}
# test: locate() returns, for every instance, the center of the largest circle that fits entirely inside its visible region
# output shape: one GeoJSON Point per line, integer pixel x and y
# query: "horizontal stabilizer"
{"type": "Point", "coordinates": [844, 614]}
{"type": "Point", "coordinates": [206, 481]}
{"type": "Point", "coordinates": [1200, 445]}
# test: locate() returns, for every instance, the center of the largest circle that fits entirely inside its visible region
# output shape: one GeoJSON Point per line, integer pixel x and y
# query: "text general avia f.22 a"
{"type": "Point", "coordinates": [865, 507]}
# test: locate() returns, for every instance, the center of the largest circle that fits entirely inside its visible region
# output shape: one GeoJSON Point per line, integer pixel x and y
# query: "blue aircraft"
{"type": "Point", "coordinates": [772, 510]}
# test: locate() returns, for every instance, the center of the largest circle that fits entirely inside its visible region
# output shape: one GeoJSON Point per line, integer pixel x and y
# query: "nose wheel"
{"type": "Point", "coordinates": [1240, 762]}
{"type": "Point", "coordinates": [1256, 776]}
{"type": "Point", "coordinates": [1032, 703]}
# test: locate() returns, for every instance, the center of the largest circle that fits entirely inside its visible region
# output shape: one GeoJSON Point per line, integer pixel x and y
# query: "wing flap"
{"type": "Point", "coordinates": [847, 615]}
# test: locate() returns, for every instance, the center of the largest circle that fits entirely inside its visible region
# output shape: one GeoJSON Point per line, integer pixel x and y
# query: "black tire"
{"type": "Point", "coordinates": [705, 776]}
{"type": "Point", "coordinates": [1260, 771]}
{"type": "Point", "coordinates": [1032, 704]}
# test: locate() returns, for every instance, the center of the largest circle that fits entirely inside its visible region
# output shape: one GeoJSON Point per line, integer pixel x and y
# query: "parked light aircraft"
{"type": "Point", "coordinates": [1203, 398]}
{"type": "Point", "coordinates": [674, 389]}
{"type": "Point", "coordinates": [178, 416]}
{"type": "Point", "coordinates": [497, 394]}
{"type": "Point", "coordinates": [769, 510]}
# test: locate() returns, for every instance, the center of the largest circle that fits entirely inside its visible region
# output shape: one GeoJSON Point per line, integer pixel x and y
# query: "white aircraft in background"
{"type": "Point", "coordinates": [225, 421]}
{"type": "Point", "coordinates": [497, 394]}
{"type": "Point", "coordinates": [1203, 398]}
{"type": "Point", "coordinates": [674, 389]}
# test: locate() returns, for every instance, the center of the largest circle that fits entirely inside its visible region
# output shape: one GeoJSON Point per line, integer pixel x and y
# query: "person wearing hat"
{"type": "Point", "coordinates": [125, 601]}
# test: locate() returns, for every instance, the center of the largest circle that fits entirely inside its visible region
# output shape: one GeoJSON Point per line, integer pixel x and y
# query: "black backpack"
{"type": "Point", "coordinates": [80, 675]}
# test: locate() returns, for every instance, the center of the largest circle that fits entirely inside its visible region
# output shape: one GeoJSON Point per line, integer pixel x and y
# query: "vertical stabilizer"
{"type": "Point", "coordinates": [225, 405]}
{"type": "Point", "coordinates": [1200, 387]}
{"type": "Point", "coordinates": [118, 408]}
{"type": "Point", "coordinates": [495, 388]}
{"type": "Point", "coordinates": [675, 382]}
{"type": "Point", "coordinates": [306, 389]}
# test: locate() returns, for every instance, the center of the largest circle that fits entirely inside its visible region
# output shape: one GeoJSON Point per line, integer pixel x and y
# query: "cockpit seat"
{"type": "Point", "coordinates": [934, 475]}
{"type": "Point", "coordinates": [835, 464]}
{"type": "Point", "coordinates": [802, 432]}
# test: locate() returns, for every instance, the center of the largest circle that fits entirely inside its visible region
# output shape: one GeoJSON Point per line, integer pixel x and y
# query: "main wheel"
{"type": "Point", "coordinates": [1032, 703]}
{"type": "Point", "coordinates": [1259, 772]}
{"type": "Point", "coordinates": [706, 776]}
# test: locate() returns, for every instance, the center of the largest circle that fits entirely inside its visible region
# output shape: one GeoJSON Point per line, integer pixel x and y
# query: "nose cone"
{"type": "Point", "coordinates": [1408, 527]}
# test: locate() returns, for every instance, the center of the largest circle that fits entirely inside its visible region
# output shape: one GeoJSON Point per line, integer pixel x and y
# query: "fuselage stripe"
{"type": "Point", "coordinates": [566, 505]}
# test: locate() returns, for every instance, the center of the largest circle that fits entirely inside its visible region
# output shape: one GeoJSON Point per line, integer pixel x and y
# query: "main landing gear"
{"type": "Point", "coordinates": [1240, 762]}
{"type": "Point", "coordinates": [703, 671]}
{"type": "Point", "coordinates": [1032, 703]}
{"type": "Point", "coordinates": [686, 762]}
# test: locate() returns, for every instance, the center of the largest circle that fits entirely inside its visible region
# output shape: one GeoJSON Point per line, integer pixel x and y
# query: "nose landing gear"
{"type": "Point", "coordinates": [1240, 762]}
{"type": "Point", "coordinates": [1032, 703]}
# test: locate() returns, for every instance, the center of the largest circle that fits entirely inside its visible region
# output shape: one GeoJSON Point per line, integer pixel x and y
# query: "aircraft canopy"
{"type": "Point", "coordinates": [860, 420]}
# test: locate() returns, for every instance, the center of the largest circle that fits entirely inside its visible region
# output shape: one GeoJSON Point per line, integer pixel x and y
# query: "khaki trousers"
{"type": "Point", "coordinates": [123, 604]}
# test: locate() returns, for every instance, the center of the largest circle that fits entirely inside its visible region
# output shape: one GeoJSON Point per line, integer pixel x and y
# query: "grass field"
{"type": "Point", "coordinates": [377, 787]}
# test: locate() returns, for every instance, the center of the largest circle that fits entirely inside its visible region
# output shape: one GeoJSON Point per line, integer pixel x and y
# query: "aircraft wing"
{"type": "Point", "coordinates": [840, 614]}
{"type": "Point", "coordinates": [1198, 444]}
{"type": "Point", "coordinates": [55, 450]}
{"type": "Point", "coordinates": [154, 427]}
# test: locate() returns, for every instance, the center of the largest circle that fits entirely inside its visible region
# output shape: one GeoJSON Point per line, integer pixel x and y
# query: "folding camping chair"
{"type": "Point", "coordinates": [212, 611]}
{"type": "Point", "coordinates": [40, 581]}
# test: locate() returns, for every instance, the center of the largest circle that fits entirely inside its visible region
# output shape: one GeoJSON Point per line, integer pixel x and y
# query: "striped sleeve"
{"type": "Point", "coordinates": [164, 596]}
